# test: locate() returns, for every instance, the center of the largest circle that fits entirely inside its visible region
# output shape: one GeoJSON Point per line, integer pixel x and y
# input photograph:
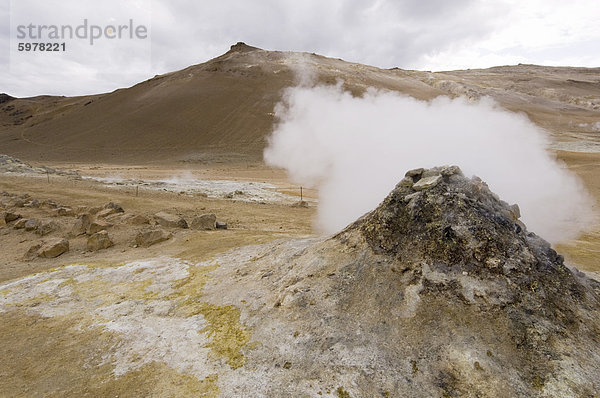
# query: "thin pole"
{"type": "Point", "coordinates": [137, 189]}
{"type": "Point", "coordinates": [301, 198]}
{"type": "Point", "coordinates": [48, 176]}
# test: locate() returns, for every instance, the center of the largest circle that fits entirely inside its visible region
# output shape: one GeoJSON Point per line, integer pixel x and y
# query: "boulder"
{"type": "Point", "coordinates": [97, 226]}
{"type": "Point", "coordinates": [170, 220]}
{"type": "Point", "coordinates": [204, 222]}
{"type": "Point", "coordinates": [99, 241]}
{"type": "Point", "coordinates": [151, 237]}
{"type": "Point", "coordinates": [221, 225]}
{"type": "Point", "coordinates": [53, 248]}
{"type": "Point", "coordinates": [81, 225]}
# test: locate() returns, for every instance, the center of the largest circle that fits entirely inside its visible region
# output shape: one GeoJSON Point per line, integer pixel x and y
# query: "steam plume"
{"type": "Point", "coordinates": [355, 149]}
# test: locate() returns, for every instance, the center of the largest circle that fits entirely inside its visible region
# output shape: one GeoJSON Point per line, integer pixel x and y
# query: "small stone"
{"type": "Point", "coordinates": [31, 225]}
{"type": "Point", "coordinates": [448, 171]}
{"type": "Point", "coordinates": [81, 225]}
{"type": "Point", "coordinates": [405, 182]}
{"type": "Point", "coordinates": [10, 216]}
{"type": "Point", "coordinates": [64, 212]}
{"type": "Point", "coordinates": [516, 211]}
{"type": "Point", "coordinates": [136, 219]}
{"type": "Point", "coordinates": [170, 220]}
{"type": "Point", "coordinates": [415, 174]}
{"type": "Point", "coordinates": [105, 212]}
{"type": "Point", "coordinates": [99, 241]}
{"type": "Point", "coordinates": [117, 208]}
{"type": "Point", "coordinates": [33, 203]}
{"type": "Point", "coordinates": [152, 237]}
{"type": "Point", "coordinates": [20, 224]}
{"type": "Point", "coordinates": [430, 173]}
{"type": "Point", "coordinates": [32, 252]}
{"type": "Point", "coordinates": [97, 226]}
{"type": "Point", "coordinates": [204, 222]}
{"type": "Point", "coordinates": [221, 225]}
{"type": "Point", "coordinates": [54, 248]}
{"type": "Point", "coordinates": [301, 203]}
{"type": "Point", "coordinates": [427, 182]}
{"type": "Point", "coordinates": [45, 227]}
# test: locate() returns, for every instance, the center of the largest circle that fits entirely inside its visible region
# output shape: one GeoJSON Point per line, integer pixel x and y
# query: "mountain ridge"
{"type": "Point", "coordinates": [222, 110]}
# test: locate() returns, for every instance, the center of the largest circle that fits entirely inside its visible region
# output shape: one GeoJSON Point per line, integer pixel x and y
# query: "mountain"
{"type": "Point", "coordinates": [222, 110]}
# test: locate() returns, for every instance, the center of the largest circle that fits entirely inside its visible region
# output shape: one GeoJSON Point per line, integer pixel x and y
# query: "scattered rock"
{"type": "Point", "coordinates": [49, 204]}
{"type": "Point", "coordinates": [221, 225]}
{"type": "Point", "coordinates": [20, 224]}
{"type": "Point", "coordinates": [136, 219]}
{"type": "Point", "coordinates": [64, 212]}
{"type": "Point", "coordinates": [81, 225]}
{"type": "Point", "coordinates": [18, 202]}
{"type": "Point", "coordinates": [170, 220]}
{"type": "Point", "coordinates": [301, 203]}
{"type": "Point", "coordinates": [204, 222]}
{"type": "Point", "coordinates": [151, 237]}
{"type": "Point", "coordinates": [99, 241]}
{"type": "Point", "coordinates": [53, 248]}
{"type": "Point", "coordinates": [10, 216]}
{"type": "Point", "coordinates": [105, 212]}
{"type": "Point", "coordinates": [32, 252]}
{"type": "Point", "coordinates": [97, 226]}
{"type": "Point", "coordinates": [117, 208]}
{"type": "Point", "coordinates": [94, 210]}
{"type": "Point", "coordinates": [31, 225]}
{"type": "Point", "coordinates": [33, 203]}
{"type": "Point", "coordinates": [45, 227]}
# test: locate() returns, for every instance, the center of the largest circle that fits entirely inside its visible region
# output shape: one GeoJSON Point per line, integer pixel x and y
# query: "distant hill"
{"type": "Point", "coordinates": [222, 110]}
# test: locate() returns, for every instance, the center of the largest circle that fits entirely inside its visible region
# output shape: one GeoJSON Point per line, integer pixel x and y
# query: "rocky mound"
{"type": "Point", "coordinates": [440, 291]}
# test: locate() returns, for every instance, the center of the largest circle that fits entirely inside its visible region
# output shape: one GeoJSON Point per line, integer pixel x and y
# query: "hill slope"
{"type": "Point", "coordinates": [222, 109]}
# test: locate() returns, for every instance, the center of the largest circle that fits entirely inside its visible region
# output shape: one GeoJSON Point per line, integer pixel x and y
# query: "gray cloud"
{"type": "Point", "coordinates": [385, 33]}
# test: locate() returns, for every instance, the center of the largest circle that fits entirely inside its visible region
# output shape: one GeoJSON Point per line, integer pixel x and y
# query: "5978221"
{"type": "Point", "coordinates": [42, 47]}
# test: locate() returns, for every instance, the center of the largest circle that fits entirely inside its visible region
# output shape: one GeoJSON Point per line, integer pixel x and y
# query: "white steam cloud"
{"type": "Point", "coordinates": [355, 149]}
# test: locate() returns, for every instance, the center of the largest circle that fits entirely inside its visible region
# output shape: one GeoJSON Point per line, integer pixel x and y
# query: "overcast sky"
{"type": "Point", "coordinates": [411, 34]}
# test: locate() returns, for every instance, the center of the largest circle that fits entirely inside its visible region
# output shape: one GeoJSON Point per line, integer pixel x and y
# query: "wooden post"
{"type": "Point", "coordinates": [137, 190]}
{"type": "Point", "coordinates": [48, 176]}
{"type": "Point", "coordinates": [301, 198]}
